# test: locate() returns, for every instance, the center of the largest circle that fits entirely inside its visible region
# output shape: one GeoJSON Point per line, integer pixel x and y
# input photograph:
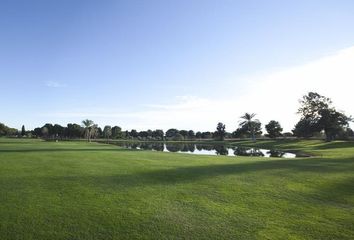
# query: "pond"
{"type": "Point", "coordinates": [205, 149]}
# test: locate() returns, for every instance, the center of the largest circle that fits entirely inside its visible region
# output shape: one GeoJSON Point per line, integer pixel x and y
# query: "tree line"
{"type": "Point", "coordinates": [89, 130]}
{"type": "Point", "coordinates": [317, 117]}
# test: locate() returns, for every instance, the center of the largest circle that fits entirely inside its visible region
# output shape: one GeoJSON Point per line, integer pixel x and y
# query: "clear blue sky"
{"type": "Point", "coordinates": [65, 60]}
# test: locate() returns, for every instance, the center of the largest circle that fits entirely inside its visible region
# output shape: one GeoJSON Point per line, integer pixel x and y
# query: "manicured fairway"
{"type": "Point", "coordinates": [77, 190]}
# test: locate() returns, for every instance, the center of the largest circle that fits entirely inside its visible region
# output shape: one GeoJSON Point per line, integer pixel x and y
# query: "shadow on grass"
{"type": "Point", "coordinates": [186, 174]}
{"type": "Point", "coordinates": [195, 173]}
{"type": "Point", "coordinates": [333, 191]}
{"type": "Point", "coordinates": [337, 190]}
{"type": "Point", "coordinates": [72, 190]}
{"type": "Point", "coordinates": [332, 145]}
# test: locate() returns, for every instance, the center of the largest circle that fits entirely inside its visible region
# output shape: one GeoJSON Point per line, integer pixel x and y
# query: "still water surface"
{"type": "Point", "coordinates": [206, 149]}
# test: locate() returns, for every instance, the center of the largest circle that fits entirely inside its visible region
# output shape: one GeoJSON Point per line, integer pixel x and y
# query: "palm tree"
{"type": "Point", "coordinates": [88, 124]}
{"type": "Point", "coordinates": [94, 131]}
{"type": "Point", "coordinates": [247, 120]}
{"type": "Point", "coordinates": [107, 132]}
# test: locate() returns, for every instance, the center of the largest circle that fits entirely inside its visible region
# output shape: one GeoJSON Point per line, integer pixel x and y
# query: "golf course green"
{"type": "Point", "coordinates": [79, 190]}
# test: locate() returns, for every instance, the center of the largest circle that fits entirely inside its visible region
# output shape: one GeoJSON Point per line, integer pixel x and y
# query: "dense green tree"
{"type": "Point", "coordinates": [2, 129]}
{"type": "Point", "coordinates": [149, 134]}
{"type": "Point", "coordinates": [116, 132]}
{"type": "Point", "coordinates": [96, 131]}
{"type": "Point", "coordinates": [7, 131]}
{"type": "Point", "coordinates": [45, 132]}
{"type": "Point", "coordinates": [171, 133]}
{"type": "Point", "coordinates": [37, 132]}
{"type": "Point", "coordinates": [318, 114]}
{"type": "Point", "coordinates": [332, 122]}
{"type": "Point", "coordinates": [305, 128]}
{"type": "Point", "coordinates": [58, 130]}
{"type": "Point", "coordinates": [134, 133]}
{"type": "Point", "coordinates": [12, 132]}
{"type": "Point", "coordinates": [244, 131]}
{"type": "Point", "coordinates": [240, 132]}
{"type": "Point", "coordinates": [287, 134]}
{"type": "Point", "coordinates": [191, 134]}
{"type": "Point", "coordinates": [74, 130]}
{"type": "Point", "coordinates": [220, 131]}
{"type": "Point", "coordinates": [49, 131]}
{"type": "Point", "coordinates": [274, 129]}
{"type": "Point", "coordinates": [251, 125]}
{"type": "Point", "coordinates": [126, 134]}
{"type": "Point", "coordinates": [177, 137]}
{"type": "Point", "coordinates": [107, 132]}
{"type": "Point", "coordinates": [207, 135]}
{"type": "Point", "coordinates": [311, 105]}
{"type": "Point", "coordinates": [198, 135]}
{"type": "Point", "coordinates": [184, 133]}
{"type": "Point", "coordinates": [346, 133]}
{"type": "Point", "coordinates": [93, 132]}
{"type": "Point", "coordinates": [143, 135]}
{"type": "Point", "coordinates": [158, 134]}
{"type": "Point", "coordinates": [228, 135]}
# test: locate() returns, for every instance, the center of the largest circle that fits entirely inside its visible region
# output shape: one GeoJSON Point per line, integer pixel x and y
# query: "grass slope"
{"type": "Point", "coordinates": [76, 190]}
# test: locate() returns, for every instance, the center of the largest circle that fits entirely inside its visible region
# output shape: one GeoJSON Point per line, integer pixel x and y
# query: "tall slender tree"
{"type": "Point", "coordinates": [88, 125]}
{"type": "Point", "coordinates": [220, 131]}
{"type": "Point", "coordinates": [23, 131]}
{"type": "Point", "coordinates": [95, 131]}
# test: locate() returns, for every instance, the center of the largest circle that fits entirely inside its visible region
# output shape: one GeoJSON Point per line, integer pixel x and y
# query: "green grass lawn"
{"type": "Point", "coordinates": [77, 190]}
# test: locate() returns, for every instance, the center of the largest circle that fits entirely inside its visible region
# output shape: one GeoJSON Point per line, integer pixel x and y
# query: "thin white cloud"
{"type": "Point", "coordinates": [271, 96]}
{"type": "Point", "coordinates": [54, 84]}
{"type": "Point", "coordinates": [276, 95]}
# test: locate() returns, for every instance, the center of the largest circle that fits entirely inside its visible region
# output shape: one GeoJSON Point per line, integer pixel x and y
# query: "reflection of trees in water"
{"type": "Point", "coordinates": [144, 146]}
{"type": "Point", "coordinates": [240, 151]}
{"type": "Point", "coordinates": [206, 147]}
{"type": "Point", "coordinates": [275, 153]}
{"type": "Point", "coordinates": [180, 147]}
{"type": "Point", "coordinates": [152, 146]}
{"type": "Point", "coordinates": [184, 148]}
{"type": "Point", "coordinates": [191, 147]}
{"type": "Point", "coordinates": [221, 150]}
{"type": "Point", "coordinates": [199, 147]}
{"type": "Point", "coordinates": [174, 147]}
{"type": "Point", "coordinates": [256, 152]}
{"type": "Point", "coordinates": [158, 147]}
{"type": "Point", "coordinates": [134, 145]}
